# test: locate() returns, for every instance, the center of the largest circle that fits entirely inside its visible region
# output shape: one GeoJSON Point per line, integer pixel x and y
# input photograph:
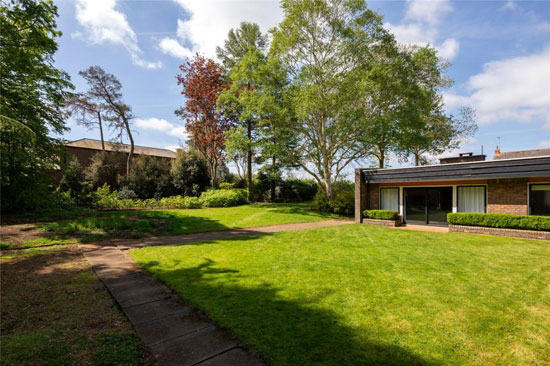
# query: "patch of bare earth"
{"type": "Point", "coordinates": [56, 295]}
{"type": "Point", "coordinates": [21, 233]}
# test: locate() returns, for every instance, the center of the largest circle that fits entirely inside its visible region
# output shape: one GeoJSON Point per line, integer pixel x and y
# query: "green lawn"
{"type": "Point", "coordinates": [364, 295]}
{"type": "Point", "coordinates": [136, 223]}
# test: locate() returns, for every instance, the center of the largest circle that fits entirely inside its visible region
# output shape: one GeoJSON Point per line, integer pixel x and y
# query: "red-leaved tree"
{"type": "Point", "coordinates": [202, 83]}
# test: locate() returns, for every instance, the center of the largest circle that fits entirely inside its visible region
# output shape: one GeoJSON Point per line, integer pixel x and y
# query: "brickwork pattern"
{"type": "Point", "coordinates": [389, 223]}
{"type": "Point", "coordinates": [525, 234]}
{"type": "Point", "coordinates": [507, 196]}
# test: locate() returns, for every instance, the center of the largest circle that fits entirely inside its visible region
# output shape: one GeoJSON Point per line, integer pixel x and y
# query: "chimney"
{"type": "Point", "coordinates": [462, 158]}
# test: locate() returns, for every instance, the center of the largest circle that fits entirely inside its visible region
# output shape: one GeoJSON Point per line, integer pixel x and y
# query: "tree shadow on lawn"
{"type": "Point", "coordinates": [55, 311]}
{"type": "Point", "coordinates": [283, 331]}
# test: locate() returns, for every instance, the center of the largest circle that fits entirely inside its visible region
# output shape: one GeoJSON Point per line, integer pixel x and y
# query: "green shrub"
{"type": "Point", "coordinates": [226, 185]}
{"type": "Point", "coordinates": [541, 223]}
{"type": "Point", "coordinates": [190, 173]}
{"type": "Point", "coordinates": [223, 198]}
{"type": "Point", "coordinates": [103, 169]}
{"type": "Point", "coordinates": [150, 177]}
{"type": "Point", "coordinates": [342, 201]}
{"type": "Point", "coordinates": [297, 190]}
{"type": "Point", "coordinates": [381, 214]}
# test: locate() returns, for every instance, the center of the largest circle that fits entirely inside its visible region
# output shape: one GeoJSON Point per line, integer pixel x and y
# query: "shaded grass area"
{"type": "Point", "coordinates": [138, 223]}
{"type": "Point", "coordinates": [55, 311]}
{"type": "Point", "coordinates": [365, 295]}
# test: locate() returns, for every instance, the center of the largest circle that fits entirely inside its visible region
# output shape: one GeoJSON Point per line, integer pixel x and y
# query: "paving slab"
{"type": "Point", "coordinates": [171, 326]}
{"type": "Point", "coordinates": [141, 295]}
{"type": "Point", "coordinates": [193, 348]}
{"type": "Point", "coordinates": [155, 310]}
{"type": "Point", "coordinates": [234, 357]}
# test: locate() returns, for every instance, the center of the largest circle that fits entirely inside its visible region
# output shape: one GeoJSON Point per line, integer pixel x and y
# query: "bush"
{"type": "Point", "coordinates": [74, 183]}
{"type": "Point", "coordinates": [190, 173]}
{"type": "Point", "coordinates": [297, 190]}
{"type": "Point", "coordinates": [541, 223]}
{"type": "Point", "coordinates": [122, 200]}
{"type": "Point", "coordinates": [127, 193]}
{"type": "Point", "coordinates": [342, 201]}
{"type": "Point", "coordinates": [223, 198]}
{"type": "Point", "coordinates": [150, 177]}
{"type": "Point", "coordinates": [381, 214]}
{"type": "Point", "coordinates": [226, 185]}
{"type": "Point", "coordinates": [104, 168]}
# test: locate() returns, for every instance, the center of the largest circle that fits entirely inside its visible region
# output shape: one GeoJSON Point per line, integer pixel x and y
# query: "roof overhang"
{"type": "Point", "coordinates": [491, 169]}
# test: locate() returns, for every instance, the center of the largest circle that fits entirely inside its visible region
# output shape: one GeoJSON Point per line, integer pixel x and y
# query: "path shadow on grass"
{"type": "Point", "coordinates": [283, 331]}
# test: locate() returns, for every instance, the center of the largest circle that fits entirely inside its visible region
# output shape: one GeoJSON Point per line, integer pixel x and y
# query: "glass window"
{"type": "Point", "coordinates": [471, 199]}
{"type": "Point", "coordinates": [539, 197]}
{"type": "Point", "coordinates": [389, 199]}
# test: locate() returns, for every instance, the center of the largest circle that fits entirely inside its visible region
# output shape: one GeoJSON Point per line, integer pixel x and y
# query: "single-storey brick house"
{"type": "Point", "coordinates": [513, 182]}
{"type": "Point", "coordinates": [85, 149]}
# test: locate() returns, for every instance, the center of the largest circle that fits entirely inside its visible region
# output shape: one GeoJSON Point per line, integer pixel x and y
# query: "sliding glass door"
{"type": "Point", "coordinates": [428, 205]}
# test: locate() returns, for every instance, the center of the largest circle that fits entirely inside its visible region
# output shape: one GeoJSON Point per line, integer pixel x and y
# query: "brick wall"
{"type": "Point", "coordinates": [374, 196]}
{"type": "Point", "coordinates": [507, 196]}
{"type": "Point", "coordinates": [365, 198]}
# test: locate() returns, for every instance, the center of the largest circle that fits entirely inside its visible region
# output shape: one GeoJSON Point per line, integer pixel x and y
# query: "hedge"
{"type": "Point", "coordinates": [541, 223]}
{"type": "Point", "coordinates": [223, 198]}
{"type": "Point", "coordinates": [382, 214]}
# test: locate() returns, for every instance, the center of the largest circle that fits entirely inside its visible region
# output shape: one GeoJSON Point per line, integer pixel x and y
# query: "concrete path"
{"type": "Point", "coordinates": [175, 333]}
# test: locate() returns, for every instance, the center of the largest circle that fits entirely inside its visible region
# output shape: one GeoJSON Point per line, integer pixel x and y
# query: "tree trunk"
{"type": "Point", "coordinates": [130, 155]}
{"type": "Point", "coordinates": [249, 160]}
{"type": "Point", "coordinates": [381, 159]}
{"type": "Point", "coordinates": [416, 159]}
{"type": "Point", "coordinates": [272, 193]}
{"type": "Point", "coordinates": [101, 131]}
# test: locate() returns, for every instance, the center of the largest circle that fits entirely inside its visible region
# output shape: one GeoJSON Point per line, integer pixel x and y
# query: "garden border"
{"type": "Point", "coordinates": [517, 233]}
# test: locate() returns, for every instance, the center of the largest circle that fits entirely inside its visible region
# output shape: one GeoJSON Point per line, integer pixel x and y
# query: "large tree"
{"type": "Point", "coordinates": [105, 96]}
{"type": "Point", "coordinates": [328, 49]}
{"type": "Point", "coordinates": [87, 113]}
{"type": "Point", "coordinates": [32, 95]}
{"type": "Point", "coordinates": [243, 56]}
{"type": "Point", "coordinates": [202, 82]}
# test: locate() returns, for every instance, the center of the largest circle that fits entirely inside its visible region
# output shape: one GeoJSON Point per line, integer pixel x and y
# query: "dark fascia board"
{"type": "Point", "coordinates": [491, 169]}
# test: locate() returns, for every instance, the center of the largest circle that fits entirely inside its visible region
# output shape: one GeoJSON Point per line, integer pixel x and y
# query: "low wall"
{"type": "Point", "coordinates": [390, 223]}
{"type": "Point", "coordinates": [526, 234]}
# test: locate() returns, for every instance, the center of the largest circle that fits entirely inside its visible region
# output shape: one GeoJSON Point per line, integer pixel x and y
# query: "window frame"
{"type": "Point", "coordinates": [484, 186]}
{"type": "Point", "coordinates": [380, 197]}
{"type": "Point", "coordinates": [529, 195]}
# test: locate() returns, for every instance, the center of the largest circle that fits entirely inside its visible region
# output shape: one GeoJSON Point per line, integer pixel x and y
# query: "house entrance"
{"type": "Point", "coordinates": [428, 205]}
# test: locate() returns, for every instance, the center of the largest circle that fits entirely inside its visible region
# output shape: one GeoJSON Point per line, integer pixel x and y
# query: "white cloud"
{"type": "Point", "coordinates": [104, 24]}
{"type": "Point", "coordinates": [209, 21]}
{"type": "Point", "coordinates": [420, 26]}
{"type": "Point", "coordinates": [430, 12]}
{"type": "Point", "coordinates": [509, 5]}
{"type": "Point", "coordinates": [173, 48]}
{"type": "Point", "coordinates": [544, 144]}
{"type": "Point", "coordinates": [173, 147]}
{"type": "Point", "coordinates": [162, 125]}
{"type": "Point", "coordinates": [516, 88]}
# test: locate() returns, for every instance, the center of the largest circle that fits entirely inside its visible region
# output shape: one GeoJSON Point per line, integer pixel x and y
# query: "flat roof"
{"type": "Point", "coordinates": [110, 146]}
{"type": "Point", "coordinates": [538, 166]}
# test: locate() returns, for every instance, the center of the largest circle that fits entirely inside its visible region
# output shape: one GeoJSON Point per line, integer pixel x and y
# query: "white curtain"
{"type": "Point", "coordinates": [471, 199]}
{"type": "Point", "coordinates": [389, 199]}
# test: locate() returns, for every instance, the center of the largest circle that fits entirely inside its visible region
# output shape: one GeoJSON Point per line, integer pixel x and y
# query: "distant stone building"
{"type": "Point", "coordinates": [85, 149]}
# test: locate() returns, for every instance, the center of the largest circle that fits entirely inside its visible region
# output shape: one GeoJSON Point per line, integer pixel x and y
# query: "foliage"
{"type": "Point", "coordinates": [104, 169]}
{"type": "Point", "coordinates": [381, 214]}
{"type": "Point", "coordinates": [223, 198]}
{"type": "Point", "coordinates": [150, 178]}
{"type": "Point", "coordinates": [297, 190]}
{"type": "Point", "coordinates": [127, 193]}
{"type": "Point", "coordinates": [226, 185]}
{"type": "Point", "coordinates": [189, 172]}
{"type": "Point", "coordinates": [342, 201]}
{"type": "Point", "coordinates": [367, 295]}
{"type": "Point", "coordinates": [105, 92]}
{"type": "Point", "coordinates": [239, 42]}
{"type": "Point", "coordinates": [32, 94]}
{"type": "Point", "coordinates": [202, 82]}
{"type": "Point", "coordinates": [328, 49]}
{"type": "Point", "coordinates": [87, 113]}
{"type": "Point", "coordinates": [74, 183]}
{"type": "Point", "coordinates": [500, 220]}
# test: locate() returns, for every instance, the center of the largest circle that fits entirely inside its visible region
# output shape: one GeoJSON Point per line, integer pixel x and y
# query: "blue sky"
{"type": "Point", "coordinates": [499, 53]}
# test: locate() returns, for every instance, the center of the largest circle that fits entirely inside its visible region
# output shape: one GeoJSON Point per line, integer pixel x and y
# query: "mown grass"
{"type": "Point", "coordinates": [138, 223]}
{"type": "Point", "coordinates": [363, 295]}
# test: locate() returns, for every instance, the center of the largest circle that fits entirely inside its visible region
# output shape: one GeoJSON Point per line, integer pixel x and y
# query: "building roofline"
{"type": "Point", "coordinates": [115, 143]}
